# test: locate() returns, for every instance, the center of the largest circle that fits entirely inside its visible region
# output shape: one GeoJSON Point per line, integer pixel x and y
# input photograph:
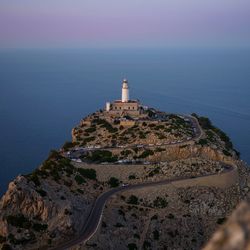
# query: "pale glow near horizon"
{"type": "Point", "coordinates": [131, 23]}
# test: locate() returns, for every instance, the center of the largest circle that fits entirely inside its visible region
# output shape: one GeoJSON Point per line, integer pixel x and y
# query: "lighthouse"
{"type": "Point", "coordinates": [124, 107]}
{"type": "Point", "coordinates": [125, 91]}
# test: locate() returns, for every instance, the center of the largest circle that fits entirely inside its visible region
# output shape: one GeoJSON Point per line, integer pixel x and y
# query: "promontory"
{"type": "Point", "coordinates": [133, 177]}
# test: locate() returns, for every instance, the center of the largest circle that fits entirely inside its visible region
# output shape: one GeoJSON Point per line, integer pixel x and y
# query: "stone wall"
{"type": "Point", "coordinates": [222, 180]}
{"type": "Point", "coordinates": [122, 172]}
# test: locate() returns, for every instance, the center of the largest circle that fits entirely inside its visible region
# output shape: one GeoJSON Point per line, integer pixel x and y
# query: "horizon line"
{"type": "Point", "coordinates": [130, 47]}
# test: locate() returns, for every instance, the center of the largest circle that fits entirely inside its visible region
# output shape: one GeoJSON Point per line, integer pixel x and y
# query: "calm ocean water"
{"type": "Point", "coordinates": [44, 93]}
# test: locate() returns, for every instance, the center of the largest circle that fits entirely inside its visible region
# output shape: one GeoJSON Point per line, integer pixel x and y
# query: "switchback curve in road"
{"type": "Point", "coordinates": [94, 219]}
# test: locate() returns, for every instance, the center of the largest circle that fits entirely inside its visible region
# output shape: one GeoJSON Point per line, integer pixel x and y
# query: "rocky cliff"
{"type": "Point", "coordinates": [50, 205]}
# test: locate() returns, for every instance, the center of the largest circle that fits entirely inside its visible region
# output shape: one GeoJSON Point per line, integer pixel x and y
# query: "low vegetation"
{"type": "Point", "coordinates": [133, 200]}
{"type": "Point", "coordinates": [20, 221]}
{"type": "Point", "coordinates": [87, 173]}
{"type": "Point", "coordinates": [113, 182]}
{"type": "Point", "coordinates": [79, 179]}
{"type": "Point", "coordinates": [160, 202]}
{"type": "Point", "coordinates": [211, 131]}
{"type": "Point", "coordinates": [99, 156]}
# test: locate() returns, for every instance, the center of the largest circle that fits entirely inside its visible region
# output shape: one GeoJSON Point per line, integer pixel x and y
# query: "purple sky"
{"type": "Point", "coordinates": [130, 23]}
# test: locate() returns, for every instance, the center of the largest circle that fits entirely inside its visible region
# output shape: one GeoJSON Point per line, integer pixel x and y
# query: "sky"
{"type": "Point", "coordinates": [130, 23]}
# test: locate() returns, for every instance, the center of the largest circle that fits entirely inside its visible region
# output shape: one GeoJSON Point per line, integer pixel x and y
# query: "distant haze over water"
{"type": "Point", "coordinates": [45, 93]}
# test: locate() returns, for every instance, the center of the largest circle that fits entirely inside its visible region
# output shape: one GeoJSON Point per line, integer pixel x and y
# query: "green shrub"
{"type": "Point", "coordinates": [160, 149]}
{"type": "Point", "coordinates": [135, 150]}
{"type": "Point", "coordinates": [132, 246]}
{"type": "Point", "coordinates": [171, 216]}
{"type": "Point", "coordinates": [6, 247]}
{"type": "Point", "coordinates": [87, 173]}
{"type": "Point", "coordinates": [142, 135]}
{"type": "Point", "coordinates": [19, 221]}
{"type": "Point", "coordinates": [109, 127]}
{"type": "Point", "coordinates": [118, 225]}
{"type": "Point", "coordinates": [2, 239]}
{"type": "Point", "coordinates": [154, 217]}
{"type": "Point", "coordinates": [54, 155]}
{"type": "Point", "coordinates": [126, 152]}
{"type": "Point", "coordinates": [80, 191]}
{"type": "Point", "coordinates": [41, 192]}
{"type": "Point", "coordinates": [39, 227]}
{"type": "Point", "coordinates": [156, 235]}
{"type": "Point", "coordinates": [79, 179]}
{"type": "Point", "coordinates": [160, 202]}
{"type": "Point", "coordinates": [161, 136]}
{"type": "Point", "coordinates": [159, 127]}
{"type": "Point", "coordinates": [146, 245]}
{"type": "Point", "coordinates": [133, 200]}
{"type": "Point", "coordinates": [67, 212]}
{"type": "Point", "coordinates": [137, 236]}
{"type": "Point", "coordinates": [88, 139]}
{"type": "Point", "coordinates": [113, 182]}
{"type": "Point", "coordinates": [102, 156]}
{"type": "Point", "coordinates": [67, 145]}
{"type": "Point", "coordinates": [221, 220]}
{"type": "Point", "coordinates": [20, 241]}
{"type": "Point", "coordinates": [203, 142]}
{"type": "Point", "coordinates": [225, 152]}
{"type": "Point", "coordinates": [90, 130]}
{"type": "Point", "coordinates": [34, 177]}
{"type": "Point", "coordinates": [146, 153]}
{"type": "Point", "coordinates": [153, 172]}
{"type": "Point", "coordinates": [150, 113]}
{"type": "Point", "coordinates": [132, 177]}
{"type": "Point", "coordinates": [120, 212]}
{"type": "Point", "coordinates": [152, 125]}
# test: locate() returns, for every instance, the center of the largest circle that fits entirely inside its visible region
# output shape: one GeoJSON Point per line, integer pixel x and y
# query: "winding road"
{"type": "Point", "coordinates": [94, 219]}
{"type": "Point", "coordinates": [193, 120]}
{"type": "Point", "coordinates": [95, 216]}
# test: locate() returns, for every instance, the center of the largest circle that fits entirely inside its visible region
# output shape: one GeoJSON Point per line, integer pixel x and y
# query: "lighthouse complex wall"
{"type": "Point", "coordinates": [129, 108]}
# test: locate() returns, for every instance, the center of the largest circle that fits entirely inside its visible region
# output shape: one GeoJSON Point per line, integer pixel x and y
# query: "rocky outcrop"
{"type": "Point", "coordinates": [191, 150]}
{"type": "Point", "coordinates": [235, 233]}
{"type": "Point", "coordinates": [50, 211]}
{"type": "Point", "coordinates": [163, 217]}
{"type": "Point", "coordinates": [51, 205]}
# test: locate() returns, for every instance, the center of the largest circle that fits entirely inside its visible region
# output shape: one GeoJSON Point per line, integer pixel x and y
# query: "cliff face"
{"type": "Point", "coordinates": [192, 150]}
{"type": "Point", "coordinates": [37, 215]}
{"type": "Point", "coordinates": [235, 233]}
{"type": "Point", "coordinates": [51, 204]}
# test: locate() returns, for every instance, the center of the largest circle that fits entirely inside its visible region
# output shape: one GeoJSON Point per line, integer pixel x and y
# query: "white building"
{"type": "Point", "coordinates": [125, 91]}
{"type": "Point", "coordinates": [125, 106]}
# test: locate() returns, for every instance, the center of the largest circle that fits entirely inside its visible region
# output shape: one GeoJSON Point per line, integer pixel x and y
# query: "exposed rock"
{"type": "Point", "coordinates": [235, 233]}
{"type": "Point", "coordinates": [50, 205]}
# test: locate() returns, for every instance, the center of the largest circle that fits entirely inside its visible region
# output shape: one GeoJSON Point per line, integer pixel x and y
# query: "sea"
{"type": "Point", "coordinates": [44, 93]}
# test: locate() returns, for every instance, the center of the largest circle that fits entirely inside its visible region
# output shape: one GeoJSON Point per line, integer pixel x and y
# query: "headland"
{"type": "Point", "coordinates": [132, 177]}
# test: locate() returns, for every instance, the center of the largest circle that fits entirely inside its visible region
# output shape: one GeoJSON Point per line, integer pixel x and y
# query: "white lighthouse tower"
{"type": "Point", "coordinates": [125, 91]}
